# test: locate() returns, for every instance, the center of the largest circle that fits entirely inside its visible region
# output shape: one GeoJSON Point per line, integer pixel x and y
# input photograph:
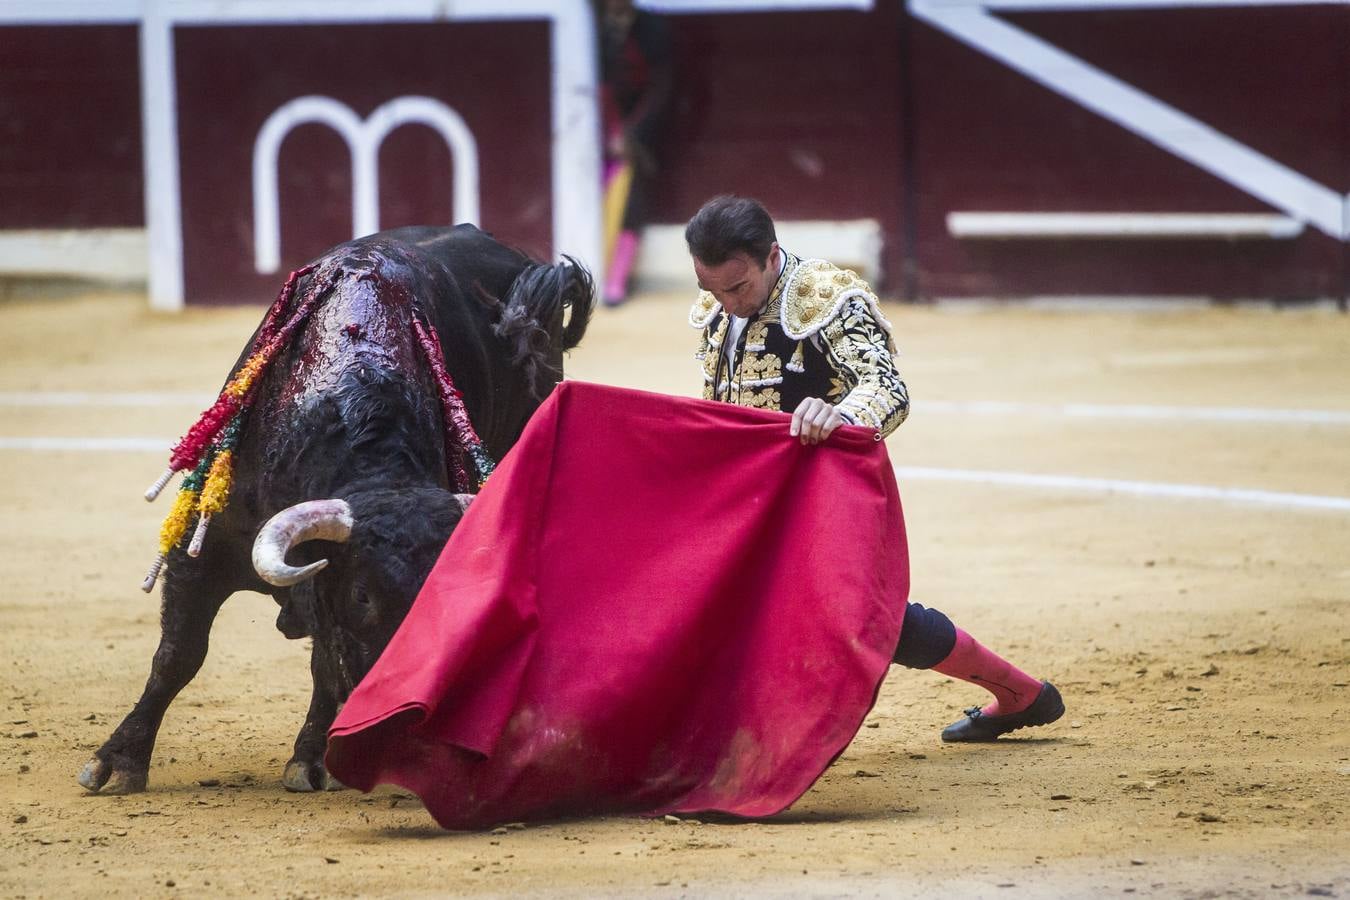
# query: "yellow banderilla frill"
{"type": "Point", "coordinates": [216, 492]}
{"type": "Point", "coordinates": [176, 522]}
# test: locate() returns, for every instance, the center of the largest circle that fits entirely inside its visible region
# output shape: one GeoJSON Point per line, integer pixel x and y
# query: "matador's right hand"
{"type": "Point", "coordinates": [814, 420]}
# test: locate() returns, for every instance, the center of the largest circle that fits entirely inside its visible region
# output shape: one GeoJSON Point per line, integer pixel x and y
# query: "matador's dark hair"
{"type": "Point", "coordinates": [728, 225]}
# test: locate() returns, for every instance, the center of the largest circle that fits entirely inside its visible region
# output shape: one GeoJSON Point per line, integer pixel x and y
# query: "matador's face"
{"type": "Point", "coordinates": [741, 284]}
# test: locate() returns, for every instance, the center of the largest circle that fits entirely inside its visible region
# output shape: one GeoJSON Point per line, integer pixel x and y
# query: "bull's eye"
{"type": "Point", "coordinates": [362, 613]}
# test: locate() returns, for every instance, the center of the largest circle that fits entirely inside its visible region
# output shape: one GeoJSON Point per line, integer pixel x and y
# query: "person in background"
{"type": "Point", "coordinates": [637, 84]}
{"type": "Point", "coordinates": [803, 336]}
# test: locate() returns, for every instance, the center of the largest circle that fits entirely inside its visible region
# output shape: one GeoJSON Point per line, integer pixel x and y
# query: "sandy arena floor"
{"type": "Point", "coordinates": [1201, 643]}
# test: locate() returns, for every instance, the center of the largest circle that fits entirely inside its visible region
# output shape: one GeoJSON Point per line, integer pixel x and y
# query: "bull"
{"type": "Point", "coordinates": [343, 488]}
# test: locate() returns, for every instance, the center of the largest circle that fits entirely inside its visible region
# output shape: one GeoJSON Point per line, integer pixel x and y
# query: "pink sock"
{"type": "Point", "coordinates": [616, 280]}
{"type": "Point", "coordinates": [1013, 689]}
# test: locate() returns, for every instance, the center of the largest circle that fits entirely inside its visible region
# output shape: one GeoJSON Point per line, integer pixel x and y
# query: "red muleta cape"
{"type": "Point", "coordinates": [655, 605]}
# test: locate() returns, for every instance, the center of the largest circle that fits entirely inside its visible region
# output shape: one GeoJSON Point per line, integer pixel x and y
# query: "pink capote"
{"type": "Point", "coordinates": [655, 605]}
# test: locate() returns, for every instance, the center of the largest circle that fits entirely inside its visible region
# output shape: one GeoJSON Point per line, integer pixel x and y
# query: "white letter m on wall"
{"type": "Point", "coordinates": [364, 138]}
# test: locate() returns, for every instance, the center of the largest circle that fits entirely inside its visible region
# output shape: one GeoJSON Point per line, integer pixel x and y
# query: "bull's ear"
{"type": "Point", "coordinates": [399, 533]}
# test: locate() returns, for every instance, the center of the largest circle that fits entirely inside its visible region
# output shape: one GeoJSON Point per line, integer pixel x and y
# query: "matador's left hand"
{"type": "Point", "coordinates": [814, 420]}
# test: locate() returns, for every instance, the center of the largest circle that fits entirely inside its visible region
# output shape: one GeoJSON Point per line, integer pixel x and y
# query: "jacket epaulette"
{"type": "Point", "coordinates": [815, 295]}
{"type": "Point", "coordinates": [705, 307]}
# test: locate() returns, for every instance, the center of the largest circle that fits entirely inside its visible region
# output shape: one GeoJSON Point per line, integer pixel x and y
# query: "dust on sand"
{"type": "Point", "coordinates": [1201, 646]}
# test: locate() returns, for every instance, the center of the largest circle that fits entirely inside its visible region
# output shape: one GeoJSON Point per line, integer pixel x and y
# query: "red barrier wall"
{"type": "Point", "coordinates": [824, 115]}
{"type": "Point", "coordinates": [802, 110]}
{"type": "Point", "coordinates": [70, 120]}
{"type": "Point", "coordinates": [230, 79]}
{"type": "Point", "coordinates": [808, 112]}
{"type": "Point", "coordinates": [990, 139]}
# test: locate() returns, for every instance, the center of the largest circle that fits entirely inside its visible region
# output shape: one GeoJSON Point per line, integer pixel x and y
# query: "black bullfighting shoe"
{"type": "Point", "coordinates": [976, 726]}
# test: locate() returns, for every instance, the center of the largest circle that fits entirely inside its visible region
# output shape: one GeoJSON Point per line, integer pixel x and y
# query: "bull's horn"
{"type": "Point", "coordinates": [316, 520]}
{"type": "Point", "coordinates": [465, 500]}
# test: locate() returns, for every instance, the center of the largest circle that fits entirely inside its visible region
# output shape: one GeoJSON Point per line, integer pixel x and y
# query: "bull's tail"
{"type": "Point", "coordinates": [580, 298]}
{"type": "Point", "coordinates": [532, 316]}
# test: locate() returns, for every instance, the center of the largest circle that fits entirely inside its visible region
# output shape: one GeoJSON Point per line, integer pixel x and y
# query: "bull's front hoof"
{"type": "Point", "coordinates": [99, 777]}
{"type": "Point", "coordinates": [304, 778]}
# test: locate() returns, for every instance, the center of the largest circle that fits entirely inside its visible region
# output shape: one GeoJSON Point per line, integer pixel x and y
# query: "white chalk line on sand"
{"type": "Point", "coordinates": [1261, 415]}
{"type": "Point", "coordinates": [1131, 488]}
{"type": "Point", "coordinates": [912, 473]}
{"type": "Point", "coordinates": [87, 444]}
{"type": "Point", "coordinates": [1248, 414]}
{"type": "Point", "coordinates": [87, 398]}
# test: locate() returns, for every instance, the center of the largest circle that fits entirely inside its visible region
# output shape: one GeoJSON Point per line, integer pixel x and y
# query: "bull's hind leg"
{"type": "Point", "coordinates": [194, 591]}
{"type": "Point", "coordinates": [306, 772]}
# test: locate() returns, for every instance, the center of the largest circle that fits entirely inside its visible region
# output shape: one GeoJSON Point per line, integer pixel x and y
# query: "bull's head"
{"type": "Point", "coordinates": [381, 543]}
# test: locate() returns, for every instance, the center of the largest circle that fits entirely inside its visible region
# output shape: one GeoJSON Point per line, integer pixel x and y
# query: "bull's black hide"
{"type": "Point", "coordinates": [349, 411]}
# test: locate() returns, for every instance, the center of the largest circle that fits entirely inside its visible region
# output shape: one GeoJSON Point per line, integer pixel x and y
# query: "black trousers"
{"type": "Point", "coordinates": [926, 638]}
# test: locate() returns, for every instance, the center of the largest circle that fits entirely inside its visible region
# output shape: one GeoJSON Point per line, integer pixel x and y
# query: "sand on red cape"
{"type": "Point", "coordinates": [655, 605]}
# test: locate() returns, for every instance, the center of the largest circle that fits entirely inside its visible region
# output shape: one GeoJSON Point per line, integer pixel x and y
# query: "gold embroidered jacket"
{"type": "Point", "coordinates": [821, 334]}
